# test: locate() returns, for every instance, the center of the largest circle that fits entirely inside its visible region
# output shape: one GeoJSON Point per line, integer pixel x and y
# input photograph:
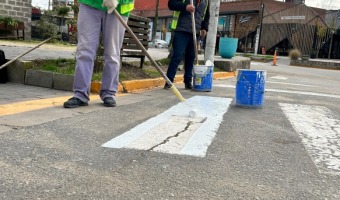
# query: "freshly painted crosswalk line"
{"type": "Point", "coordinates": [174, 131]}
{"type": "Point", "coordinates": [320, 133]}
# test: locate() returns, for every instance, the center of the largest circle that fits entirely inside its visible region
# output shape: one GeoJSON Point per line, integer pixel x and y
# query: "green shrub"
{"type": "Point", "coordinates": [294, 54]}
{"type": "Point", "coordinates": [46, 27]}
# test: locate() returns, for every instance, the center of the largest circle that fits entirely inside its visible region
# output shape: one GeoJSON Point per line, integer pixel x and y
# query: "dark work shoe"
{"type": "Point", "coordinates": [167, 86]}
{"type": "Point", "coordinates": [74, 103]}
{"type": "Point", "coordinates": [188, 86]}
{"type": "Point", "coordinates": [109, 102]}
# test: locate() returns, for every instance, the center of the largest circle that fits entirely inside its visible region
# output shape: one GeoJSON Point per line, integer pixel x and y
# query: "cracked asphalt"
{"type": "Point", "coordinates": [57, 153]}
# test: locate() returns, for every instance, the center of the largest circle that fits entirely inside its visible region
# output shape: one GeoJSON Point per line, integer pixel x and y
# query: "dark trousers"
{"type": "Point", "coordinates": [183, 45]}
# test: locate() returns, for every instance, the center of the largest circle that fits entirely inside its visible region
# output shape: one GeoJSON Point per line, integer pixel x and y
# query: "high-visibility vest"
{"type": "Point", "coordinates": [125, 6]}
{"type": "Point", "coordinates": [176, 16]}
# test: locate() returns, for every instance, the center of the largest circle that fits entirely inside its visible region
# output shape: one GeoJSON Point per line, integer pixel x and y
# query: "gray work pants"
{"type": "Point", "coordinates": [90, 24]}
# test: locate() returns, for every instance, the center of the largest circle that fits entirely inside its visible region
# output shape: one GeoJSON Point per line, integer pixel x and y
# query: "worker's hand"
{"type": "Point", "coordinates": [110, 4]}
{"type": "Point", "coordinates": [203, 33]}
{"type": "Point", "coordinates": [190, 8]}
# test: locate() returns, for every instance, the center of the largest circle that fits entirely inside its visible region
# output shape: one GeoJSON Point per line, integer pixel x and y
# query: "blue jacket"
{"type": "Point", "coordinates": [184, 23]}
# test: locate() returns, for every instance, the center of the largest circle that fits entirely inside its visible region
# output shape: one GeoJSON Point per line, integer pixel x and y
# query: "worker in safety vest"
{"type": "Point", "coordinates": [183, 43]}
{"type": "Point", "coordinates": [94, 18]}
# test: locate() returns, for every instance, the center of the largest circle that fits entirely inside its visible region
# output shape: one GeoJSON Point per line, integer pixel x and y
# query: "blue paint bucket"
{"type": "Point", "coordinates": [203, 78]}
{"type": "Point", "coordinates": [250, 87]}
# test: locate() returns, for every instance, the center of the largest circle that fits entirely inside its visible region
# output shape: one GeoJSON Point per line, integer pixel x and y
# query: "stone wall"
{"type": "Point", "coordinates": [20, 10]}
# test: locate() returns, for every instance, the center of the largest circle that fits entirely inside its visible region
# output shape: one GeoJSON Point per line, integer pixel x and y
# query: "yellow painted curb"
{"type": "Point", "coordinates": [179, 79]}
{"type": "Point", "coordinates": [25, 106]}
{"type": "Point", "coordinates": [142, 84]}
{"type": "Point", "coordinates": [223, 75]}
{"type": "Point", "coordinates": [95, 87]}
{"type": "Point", "coordinates": [133, 85]}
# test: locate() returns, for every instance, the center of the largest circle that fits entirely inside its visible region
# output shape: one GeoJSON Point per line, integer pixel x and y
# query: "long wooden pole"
{"type": "Point", "coordinates": [21, 55]}
{"type": "Point", "coordinates": [173, 88]}
{"type": "Point", "coordinates": [194, 32]}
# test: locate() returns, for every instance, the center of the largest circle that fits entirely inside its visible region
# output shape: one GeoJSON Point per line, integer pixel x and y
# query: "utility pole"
{"type": "Point", "coordinates": [211, 35]}
{"type": "Point", "coordinates": [155, 22]}
{"type": "Point", "coordinates": [258, 30]}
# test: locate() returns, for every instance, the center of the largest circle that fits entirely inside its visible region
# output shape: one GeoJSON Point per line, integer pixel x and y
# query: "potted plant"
{"type": "Point", "coordinates": [2, 23]}
{"type": "Point", "coordinates": [8, 23]}
{"type": "Point", "coordinates": [227, 46]}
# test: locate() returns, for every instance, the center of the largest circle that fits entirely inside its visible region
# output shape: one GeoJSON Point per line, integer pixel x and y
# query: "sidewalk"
{"type": "Point", "coordinates": [13, 92]}
{"type": "Point", "coordinates": [48, 51]}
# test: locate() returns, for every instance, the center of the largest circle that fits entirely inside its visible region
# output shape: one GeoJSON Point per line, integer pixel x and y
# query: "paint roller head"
{"type": "Point", "coordinates": [192, 113]}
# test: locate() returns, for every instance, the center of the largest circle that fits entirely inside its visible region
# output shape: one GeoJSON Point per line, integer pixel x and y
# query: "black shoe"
{"type": "Point", "coordinates": [109, 102]}
{"type": "Point", "coordinates": [74, 103]}
{"type": "Point", "coordinates": [188, 86]}
{"type": "Point", "coordinates": [167, 86]}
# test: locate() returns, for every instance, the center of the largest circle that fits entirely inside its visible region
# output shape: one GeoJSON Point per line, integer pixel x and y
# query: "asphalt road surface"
{"type": "Point", "coordinates": [287, 149]}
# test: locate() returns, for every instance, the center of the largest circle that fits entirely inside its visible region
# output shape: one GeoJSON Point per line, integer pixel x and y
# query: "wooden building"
{"type": "Point", "coordinates": [263, 25]}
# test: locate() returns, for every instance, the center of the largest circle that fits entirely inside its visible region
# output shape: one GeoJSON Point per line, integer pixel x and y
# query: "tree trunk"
{"type": "Point", "coordinates": [75, 15]}
{"type": "Point", "coordinates": [330, 47]}
{"type": "Point", "coordinates": [211, 35]}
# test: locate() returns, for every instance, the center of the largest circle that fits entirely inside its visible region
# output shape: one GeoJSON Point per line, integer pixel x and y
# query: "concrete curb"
{"type": "Point", "coordinates": [319, 64]}
{"type": "Point", "coordinates": [144, 84]}
{"type": "Point", "coordinates": [20, 72]}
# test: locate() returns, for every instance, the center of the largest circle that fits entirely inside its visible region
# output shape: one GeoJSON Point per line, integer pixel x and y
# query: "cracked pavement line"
{"type": "Point", "coordinates": [186, 128]}
{"type": "Point", "coordinates": [168, 138]}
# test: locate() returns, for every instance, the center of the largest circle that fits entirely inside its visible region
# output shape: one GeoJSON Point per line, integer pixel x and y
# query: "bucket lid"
{"type": "Point", "coordinates": [201, 69]}
{"type": "Point", "coordinates": [251, 70]}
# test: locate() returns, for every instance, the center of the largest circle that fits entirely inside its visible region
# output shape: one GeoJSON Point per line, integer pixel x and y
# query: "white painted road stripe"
{"type": "Point", "coordinates": [320, 133]}
{"type": "Point", "coordinates": [174, 131]}
{"type": "Point", "coordinates": [287, 91]}
{"type": "Point", "coordinates": [279, 77]}
{"type": "Point", "coordinates": [290, 84]}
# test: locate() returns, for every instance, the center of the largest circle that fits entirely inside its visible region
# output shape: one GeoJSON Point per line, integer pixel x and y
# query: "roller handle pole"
{"type": "Point", "coordinates": [21, 55]}
{"type": "Point", "coordinates": [173, 88]}
{"type": "Point", "coordinates": [194, 32]}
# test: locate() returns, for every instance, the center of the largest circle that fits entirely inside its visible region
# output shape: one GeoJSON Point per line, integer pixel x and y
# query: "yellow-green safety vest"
{"type": "Point", "coordinates": [176, 16]}
{"type": "Point", "coordinates": [125, 6]}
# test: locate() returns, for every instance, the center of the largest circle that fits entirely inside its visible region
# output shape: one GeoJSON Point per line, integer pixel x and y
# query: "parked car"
{"type": "Point", "coordinates": [160, 43]}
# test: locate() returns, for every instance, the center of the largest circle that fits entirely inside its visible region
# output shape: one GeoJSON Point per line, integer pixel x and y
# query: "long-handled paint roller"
{"type": "Point", "coordinates": [194, 33]}
{"type": "Point", "coordinates": [21, 55]}
{"type": "Point", "coordinates": [173, 88]}
{"type": "Point", "coordinates": [192, 113]}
